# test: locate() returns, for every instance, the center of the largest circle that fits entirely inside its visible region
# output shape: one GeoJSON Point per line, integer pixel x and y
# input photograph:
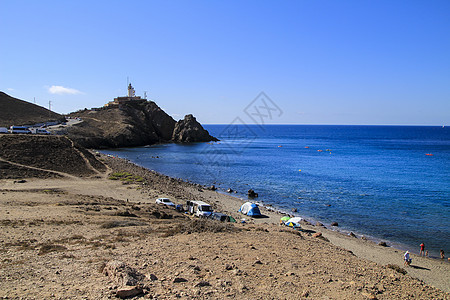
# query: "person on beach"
{"type": "Point", "coordinates": [426, 253]}
{"type": "Point", "coordinates": [408, 260]}
{"type": "Point", "coordinates": [442, 254]}
{"type": "Point", "coordinates": [422, 249]}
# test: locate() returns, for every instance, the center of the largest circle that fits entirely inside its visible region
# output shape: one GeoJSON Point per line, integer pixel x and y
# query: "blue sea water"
{"type": "Point", "coordinates": [372, 180]}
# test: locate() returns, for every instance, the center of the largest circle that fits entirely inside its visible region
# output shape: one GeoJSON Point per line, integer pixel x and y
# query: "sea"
{"type": "Point", "coordinates": [387, 183]}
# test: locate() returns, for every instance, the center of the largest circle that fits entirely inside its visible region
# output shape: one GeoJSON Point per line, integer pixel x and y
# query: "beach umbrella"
{"type": "Point", "coordinates": [292, 224]}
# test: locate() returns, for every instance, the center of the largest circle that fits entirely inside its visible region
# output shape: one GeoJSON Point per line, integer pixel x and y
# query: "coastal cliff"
{"type": "Point", "coordinates": [132, 125]}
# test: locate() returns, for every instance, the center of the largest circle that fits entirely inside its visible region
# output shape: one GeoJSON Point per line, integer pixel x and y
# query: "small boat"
{"type": "Point", "coordinates": [428, 154]}
{"type": "Point", "coordinates": [319, 150]}
{"type": "Point", "coordinates": [306, 147]}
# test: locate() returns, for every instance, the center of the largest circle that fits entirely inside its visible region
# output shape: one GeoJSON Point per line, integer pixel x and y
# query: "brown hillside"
{"type": "Point", "coordinates": [44, 156]}
{"type": "Point", "coordinates": [18, 112]}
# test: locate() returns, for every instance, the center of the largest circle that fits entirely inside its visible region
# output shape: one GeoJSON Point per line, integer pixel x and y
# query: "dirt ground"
{"type": "Point", "coordinates": [58, 234]}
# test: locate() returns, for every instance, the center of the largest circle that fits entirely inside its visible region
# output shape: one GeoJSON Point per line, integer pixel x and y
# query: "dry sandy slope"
{"type": "Point", "coordinates": [56, 234]}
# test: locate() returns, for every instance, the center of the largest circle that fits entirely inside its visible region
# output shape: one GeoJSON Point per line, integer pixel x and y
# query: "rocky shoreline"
{"type": "Point", "coordinates": [240, 198]}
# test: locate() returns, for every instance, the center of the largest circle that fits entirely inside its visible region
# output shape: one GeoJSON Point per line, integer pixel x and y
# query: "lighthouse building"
{"type": "Point", "coordinates": [130, 98]}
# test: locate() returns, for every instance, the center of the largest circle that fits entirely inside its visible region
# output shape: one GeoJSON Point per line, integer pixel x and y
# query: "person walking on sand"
{"type": "Point", "coordinates": [422, 249]}
{"type": "Point", "coordinates": [442, 254]}
{"type": "Point", "coordinates": [407, 259]}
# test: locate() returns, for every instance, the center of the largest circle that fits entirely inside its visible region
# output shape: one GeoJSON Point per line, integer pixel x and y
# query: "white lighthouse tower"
{"type": "Point", "coordinates": [131, 92]}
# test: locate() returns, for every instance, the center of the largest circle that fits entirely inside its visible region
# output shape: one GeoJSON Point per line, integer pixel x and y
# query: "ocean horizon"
{"type": "Point", "coordinates": [387, 182]}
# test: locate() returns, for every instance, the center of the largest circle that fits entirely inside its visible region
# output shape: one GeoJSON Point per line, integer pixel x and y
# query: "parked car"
{"type": "Point", "coordinates": [165, 201]}
{"type": "Point", "coordinates": [3, 130]}
{"type": "Point", "coordinates": [222, 217]}
{"type": "Point", "coordinates": [43, 131]}
{"type": "Point", "coordinates": [39, 131]}
{"type": "Point", "coordinates": [219, 216]}
{"type": "Point", "coordinates": [19, 129]}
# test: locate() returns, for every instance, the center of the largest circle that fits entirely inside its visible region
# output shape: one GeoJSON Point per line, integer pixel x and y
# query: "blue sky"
{"type": "Point", "coordinates": [321, 62]}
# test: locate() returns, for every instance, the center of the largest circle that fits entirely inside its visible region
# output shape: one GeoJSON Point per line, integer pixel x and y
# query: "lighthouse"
{"type": "Point", "coordinates": [129, 99]}
{"type": "Point", "coordinates": [131, 92]}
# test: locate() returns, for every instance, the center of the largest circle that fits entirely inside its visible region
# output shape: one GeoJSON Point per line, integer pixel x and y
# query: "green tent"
{"type": "Point", "coordinates": [285, 218]}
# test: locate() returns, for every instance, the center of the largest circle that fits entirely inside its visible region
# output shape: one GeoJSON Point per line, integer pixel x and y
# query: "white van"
{"type": "Point", "coordinates": [199, 208]}
{"type": "Point", "coordinates": [19, 129]}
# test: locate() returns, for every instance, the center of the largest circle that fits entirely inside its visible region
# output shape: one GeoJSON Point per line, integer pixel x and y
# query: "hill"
{"type": "Point", "coordinates": [134, 124]}
{"type": "Point", "coordinates": [14, 111]}
{"type": "Point", "coordinates": [44, 156]}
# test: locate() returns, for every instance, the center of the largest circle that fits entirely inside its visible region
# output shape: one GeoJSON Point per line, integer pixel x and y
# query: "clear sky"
{"type": "Point", "coordinates": [321, 62]}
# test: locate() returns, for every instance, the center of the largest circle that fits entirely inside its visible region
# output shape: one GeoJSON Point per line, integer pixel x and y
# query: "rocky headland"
{"type": "Point", "coordinates": [132, 125]}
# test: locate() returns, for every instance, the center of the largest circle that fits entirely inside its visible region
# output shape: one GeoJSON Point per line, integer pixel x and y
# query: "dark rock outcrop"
{"type": "Point", "coordinates": [212, 188]}
{"type": "Point", "coordinates": [189, 130]}
{"type": "Point", "coordinates": [122, 274]}
{"type": "Point", "coordinates": [129, 291]}
{"type": "Point", "coordinates": [251, 194]}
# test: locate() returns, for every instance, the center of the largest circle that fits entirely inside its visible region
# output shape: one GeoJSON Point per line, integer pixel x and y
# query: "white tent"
{"type": "Point", "coordinates": [295, 220]}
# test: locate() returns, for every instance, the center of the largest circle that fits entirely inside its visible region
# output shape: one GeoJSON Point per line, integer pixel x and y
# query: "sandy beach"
{"type": "Point", "coordinates": [58, 234]}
